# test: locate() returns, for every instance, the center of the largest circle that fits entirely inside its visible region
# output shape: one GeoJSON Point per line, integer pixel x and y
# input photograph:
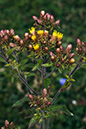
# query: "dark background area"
{"type": "Point", "coordinates": [17, 14]}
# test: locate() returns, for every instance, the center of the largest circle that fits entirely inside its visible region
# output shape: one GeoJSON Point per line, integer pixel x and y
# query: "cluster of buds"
{"type": "Point", "coordinates": [62, 57]}
{"type": "Point", "coordinates": [81, 48]}
{"type": "Point", "coordinates": [6, 36]}
{"type": "Point", "coordinates": [8, 125]}
{"type": "Point", "coordinates": [45, 19]}
{"type": "Point", "coordinates": [40, 101]}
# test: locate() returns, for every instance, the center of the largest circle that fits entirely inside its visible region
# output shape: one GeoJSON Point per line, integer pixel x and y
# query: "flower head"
{"type": "Point", "coordinates": [57, 35]}
{"type": "Point", "coordinates": [32, 30]}
{"type": "Point", "coordinates": [36, 47]}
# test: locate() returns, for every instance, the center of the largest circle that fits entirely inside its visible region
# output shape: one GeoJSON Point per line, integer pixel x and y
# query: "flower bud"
{"type": "Point", "coordinates": [31, 97]}
{"type": "Point", "coordinates": [68, 49]}
{"type": "Point", "coordinates": [12, 45]}
{"type": "Point", "coordinates": [12, 32]}
{"type": "Point", "coordinates": [46, 49]}
{"type": "Point", "coordinates": [42, 107]}
{"type": "Point", "coordinates": [45, 99]}
{"type": "Point", "coordinates": [42, 13]}
{"type": "Point", "coordinates": [71, 55]}
{"type": "Point", "coordinates": [26, 34]}
{"type": "Point", "coordinates": [53, 59]}
{"type": "Point", "coordinates": [11, 124]}
{"type": "Point", "coordinates": [48, 103]}
{"type": "Point", "coordinates": [61, 49]}
{"type": "Point", "coordinates": [16, 37]}
{"type": "Point", "coordinates": [48, 16]}
{"type": "Point", "coordinates": [39, 102]}
{"type": "Point", "coordinates": [39, 21]}
{"type": "Point", "coordinates": [21, 42]}
{"type": "Point", "coordinates": [44, 92]}
{"type": "Point", "coordinates": [30, 46]}
{"type": "Point", "coordinates": [6, 122]}
{"type": "Point", "coordinates": [5, 37]}
{"type": "Point", "coordinates": [35, 18]}
{"type": "Point", "coordinates": [51, 18]}
{"type": "Point", "coordinates": [58, 51]}
{"type": "Point", "coordinates": [57, 65]}
{"type": "Point", "coordinates": [44, 42]}
{"type": "Point", "coordinates": [57, 22]}
{"type": "Point", "coordinates": [62, 60]}
{"type": "Point", "coordinates": [72, 60]}
{"type": "Point", "coordinates": [51, 54]}
{"type": "Point", "coordinates": [7, 32]}
{"type": "Point", "coordinates": [78, 42]}
{"type": "Point", "coordinates": [59, 43]}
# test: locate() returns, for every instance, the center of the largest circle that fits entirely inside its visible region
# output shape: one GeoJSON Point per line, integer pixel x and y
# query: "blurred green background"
{"type": "Point", "coordinates": [17, 14]}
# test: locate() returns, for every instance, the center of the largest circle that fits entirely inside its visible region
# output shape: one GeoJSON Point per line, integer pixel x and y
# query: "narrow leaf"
{"type": "Point", "coordinates": [11, 50]}
{"type": "Point", "coordinates": [20, 102]}
{"type": "Point", "coordinates": [66, 84]}
{"type": "Point", "coordinates": [47, 65]}
{"type": "Point", "coordinates": [37, 65]}
{"type": "Point", "coordinates": [61, 108]}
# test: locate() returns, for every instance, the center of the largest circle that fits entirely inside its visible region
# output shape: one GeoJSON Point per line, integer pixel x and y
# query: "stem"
{"type": "Point", "coordinates": [43, 74]}
{"type": "Point", "coordinates": [77, 67]}
{"type": "Point", "coordinates": [48, 120]}
{"type": "Point", "coordinates": [24, 81]}
{"type": "Point", "coordinates": [50, 73]}
{"type": "Point", "coordinates": [56, 95]}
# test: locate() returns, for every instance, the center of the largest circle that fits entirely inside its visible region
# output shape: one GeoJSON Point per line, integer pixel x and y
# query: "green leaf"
{"type": "Point", "coordinates": [47, 65]}
{"type": "Point", "coordinates": [37, 65]}
{"type": "Point", "coordinates": [66, 84]}
{"type": "Point", "coordinates": [20, 102]}
{"type": "Point", "coordinates": [34, 120]}
{"type": "Point", "coordinates": [30, 74]}
{"type": "Point", "coordinates": [61, 108]}
{"type": "Point", "coordinates": [11, 50]}
{"type": "Point", "coordinates": [47, 82]}
{"type": "Point", "coordinates": [22, 63]}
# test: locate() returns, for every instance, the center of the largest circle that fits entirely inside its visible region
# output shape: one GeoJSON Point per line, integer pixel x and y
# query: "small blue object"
{"type": "Point", "coordinates": [62, 81]}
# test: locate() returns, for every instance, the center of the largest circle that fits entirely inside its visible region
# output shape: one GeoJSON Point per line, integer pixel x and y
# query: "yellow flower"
{"type": "Point", "coordinates": [40, 32]}
{"type": "Point", "coordinates": [36, 47]}
{"type": "Point", "coordinates": [33, 37]}
{"type": "Point", "coordinates": [32, 30]}
{"type": "Point", "coordinates": [57, 34]}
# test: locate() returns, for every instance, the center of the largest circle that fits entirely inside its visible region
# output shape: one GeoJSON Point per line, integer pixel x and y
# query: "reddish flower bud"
{"type": "Point", "coordinates": [57, 65]}
{"type": "Point", "coordinates": [44, 92]}
{"type": "Point", "coordinates": [46, 49]}
{"type": "Point", "coordinates": [5, 37]}
{"type": "Point", "coordinates": [31, 97]}
{"type": "Point", "coordinates": [21, 42]}
{"type": "Point", "coordinates": [45, 99]}
{"type": "Point", "coordinates": [44, 42]}
{"type": "Point", "coordinates": [57, 22]}
{"type": "Point", "coordinates": [48, 16]}
{"type": "Point", "coordinates": [51, 18]}
{"type": "Point", "coordinates": [39, 102]}
{"type": "Point", "coordinates": [48, 103]}
{"type": "Point", "coordinates": [12, 32]}
{"type": "Point", "coordinates": [26, 34]}
{"type": "Point", "coordinates": [42, 107]}
{"type": "Point", "coordinates": [71, 55]}
{"type": "Point", "coordinates": [35, 18]}
{"type": "Point", "coordinates": [12, 45]}
{"type": "Point", "coordinates": [16, 37]}
{"type": "Point", "coordinates": [42, 13]}
{"type": "Point", "coordinates": [51, 54]}
{"type": "Point", "coordinates": [11, 124]}
{"type": "Point", "coordinates": [39, 21]}
{"type": "Point", "coordinates": [6, 122]}
{"type": "Point", "coordinates": [61, 48]}
{"type": "Point", "coordinates": [58, 51]}
{"type": "Point", "coordinates": [62, 60]}
{"type": "Point", "coordinates": [7, 32]}
{"type": "Point", "coordinates": [30, 46]}
{"type": "Point", "coordinates": [59, 43]}
{"type": "Point", "coordinates": [68, 49]}
{"type": "Point", "coordinates": [79, 42]}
